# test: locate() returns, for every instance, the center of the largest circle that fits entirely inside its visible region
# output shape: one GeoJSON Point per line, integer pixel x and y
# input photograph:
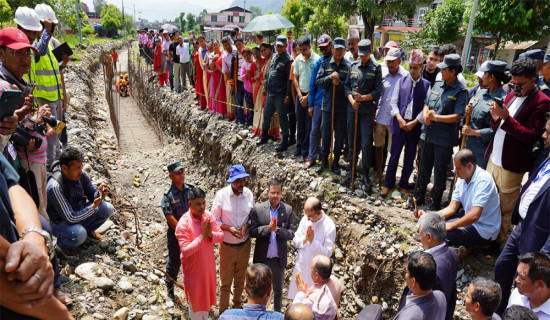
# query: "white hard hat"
{"type": "Point", "coordinates": [44, 12]}
{"type": "Point", "coordinates": [28, 19]}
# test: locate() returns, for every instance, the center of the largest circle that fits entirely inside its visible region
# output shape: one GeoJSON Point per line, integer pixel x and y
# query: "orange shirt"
{"type": "Point", "coordinates": [115, 56]}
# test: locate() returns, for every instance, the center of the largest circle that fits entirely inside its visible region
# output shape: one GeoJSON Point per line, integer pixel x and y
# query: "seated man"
{"type": "Point", "coordinates": [533, 284]}
{"type": "Point", "coordinates": [299, 311]}
{"type": "Point", "coordinates": [424, 303]}
{"type": "Point", "coordinates": [326, 289]}
{"type": "Point", "coordinates": [258, 288]}
{"type": "Point", "coordinates": [75, 206]}
{"type": "Point", "coordinates": [482, 299]}
{"type": "Point", "coordinates": [476, 191]}
{"type": "Point", "coordinates": [123, 89]}
{"type": "Point", "coordinates": [431, 230]}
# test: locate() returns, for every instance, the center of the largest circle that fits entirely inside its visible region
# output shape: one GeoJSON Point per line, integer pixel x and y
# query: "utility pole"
{"type": "Point", "coordinates": [79, 22]}
{"type": "Point", "coordinates": [134, 14]}
{"type": "Point", "coordinates": [466, 48]}
{"type": "Point", "coordinates": [123, 24]}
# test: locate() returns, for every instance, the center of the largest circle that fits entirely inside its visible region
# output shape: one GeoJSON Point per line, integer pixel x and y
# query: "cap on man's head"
{"type": "Point", "coordinates": [364, 47]}
{"type": "Point", "coordinates": [353, 34]}
{"type": "Point", "coordinates": [391, 44]}
{"type": "Point", "coordinates": [495, 65]}
{"type": "Point", "coordinates": [174, 166]}
{"type": "Point", "coordinates": [546, 59]}
{"type": "Point", "coordinates": [417, 56]}
{"type": "Point", "coordinates": [281, 41]}
{"type": "Point", "coordinates": [480, 73]}
{"type": "Point", "coordinates": [324, 40]}
{"type": "Point", "coordinates": [392, 54]}
{"type": "Point", "coordinates": [289, 31]}
{"type": "Point", "coordinates": [186, 40]}
{"type": "Point", "coordinates": [339, 43]}
{"type": "Point", "coordinates": [165, 31]}
{"type": "Point", "coordinates": [535, 54]}
{"type": "Point", "coordinates": [236, 172]}
{"type": "Point", "coordinates": [450, 60]}
{"type": "Point", "coordinates": [15, 39]}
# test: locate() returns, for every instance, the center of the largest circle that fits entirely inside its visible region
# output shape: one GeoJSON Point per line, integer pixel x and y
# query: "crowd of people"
{"type": "Point", "coordinates": [340, 104]}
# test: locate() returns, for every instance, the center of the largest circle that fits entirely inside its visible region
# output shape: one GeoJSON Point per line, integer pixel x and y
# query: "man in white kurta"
{"type": "Point", "coordinates": [315, 235]}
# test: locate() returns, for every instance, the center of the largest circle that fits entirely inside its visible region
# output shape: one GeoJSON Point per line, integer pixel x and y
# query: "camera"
{"type": "Point", "coordinates": [22, 137]}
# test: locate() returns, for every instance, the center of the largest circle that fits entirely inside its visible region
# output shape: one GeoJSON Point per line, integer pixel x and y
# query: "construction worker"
{"type": "Point", "coordinates": [123, 90]}
{"type": "Point", "coordinates": [44, 71]}
{"type": "Point", "coordinates": [118, 82]}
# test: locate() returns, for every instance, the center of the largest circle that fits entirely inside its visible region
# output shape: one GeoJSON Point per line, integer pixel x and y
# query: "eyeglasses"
{"type": "Point", "coordinates": [19, 53]}
{"type": "Point", "coordinates": [518, 87]}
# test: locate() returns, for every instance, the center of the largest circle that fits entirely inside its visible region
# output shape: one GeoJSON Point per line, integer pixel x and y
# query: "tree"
{"type": "Point", "coordinates": [325, 21]}
{"type": "Point", "coordinates": [298, 12]}
{"type": "Point", "coordinates": [65, 11]}
{"type": "Point", "coordinates": [190, 22]}
{"type": "Point", "coordinates": [5, 12]}
{"type": "Point", "coordinates": [443, 23]}
{"type": "Point", "coordinates": [202, 14]}
{"type": "Point", "coordinates": [181, 20]}
{"type": "Point", "coordinates": [128, 22]}
{"type": "Point", "coordinates": [256, 11]}
{"type": "Point", "coordinates": [98, 5]}
{"type": "Point", "coordinates": [513, 20]}
{"type": "Point", "coordinates": [111, 17]}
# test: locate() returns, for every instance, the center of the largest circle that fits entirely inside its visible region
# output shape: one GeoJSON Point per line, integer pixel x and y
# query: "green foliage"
{"type": "Point", "coordinates": [111, 17]}
{"type": "Point", "coordinates": [256, 11]}
{"type": "Point", "coordinates": [514, 20]}
{"type": "Point", "coordinates": [65, 11]}
{"type": "Point", "coordinates": [298, 12]}
{"type": "Point", "coordinates": [181, 20]}
{"type": "Point", "coordinates": [323, 20]}
{"type": "Point", "coordinates": [14, 4]}
{"type": "Point", "coordinates": [98, 5]}
{"type": "Point", "coordinates": [443, 24]}
{"type": "Point", "coordinates": [190, 22]}
{"type": "Point", "coordinates": [202, 14]}
{"type": "Point", "coordinates": [128, 22]}
{"type": "Point", "coordinates": [5, 12]}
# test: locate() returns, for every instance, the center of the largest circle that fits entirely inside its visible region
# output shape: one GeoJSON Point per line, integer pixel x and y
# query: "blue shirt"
{"type": "Point", "coordinates": [250, 312]}
{"type": "Point", "coordinates": [272, 250]}
{"type": "Point", "coordinates": [389, 81]}
{"type": "Point", "coordinates": [481, 192]}
{"type": "Point", "coordinates": [315, 93]}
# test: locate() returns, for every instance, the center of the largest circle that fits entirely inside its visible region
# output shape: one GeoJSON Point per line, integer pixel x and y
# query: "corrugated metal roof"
{"type": "Point", "coordinates": [514, 46]}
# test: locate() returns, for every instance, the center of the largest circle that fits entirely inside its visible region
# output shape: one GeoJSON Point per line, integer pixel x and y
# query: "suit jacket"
{"type": "Point", "coordinates": [535, 228]}
{"type": "Point", "coordinates": [522, 131]}
{"type": "Point", "coordinates": [446, 261]}
{"type": "Point", "coordinates": [429, 307]}
{"type": "Point", "coordinates": [259, 229]}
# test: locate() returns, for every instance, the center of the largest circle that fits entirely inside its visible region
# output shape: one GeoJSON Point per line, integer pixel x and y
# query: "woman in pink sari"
{"type": "Point", "coordinates": [267, 52]}
{"type": "Point", "coordinates": [217, 88]}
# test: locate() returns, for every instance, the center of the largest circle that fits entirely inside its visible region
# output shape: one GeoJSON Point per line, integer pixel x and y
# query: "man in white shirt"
{"type": "Point", "coordinates": [533, 284]}
{"type": "Point", "coordinates": [182, 51]}
{"type": "Point", "coordinates": [231, 208]}
{"type": "Point", "coordinates": [315, 235]}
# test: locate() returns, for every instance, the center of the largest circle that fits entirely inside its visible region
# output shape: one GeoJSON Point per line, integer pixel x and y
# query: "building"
{"type": "Point", "coordinates": [215, 25]}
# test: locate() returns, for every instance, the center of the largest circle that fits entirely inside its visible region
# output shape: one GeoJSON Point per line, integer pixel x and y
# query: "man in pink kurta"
{"type": "Point", "coordinates": [197, 231]}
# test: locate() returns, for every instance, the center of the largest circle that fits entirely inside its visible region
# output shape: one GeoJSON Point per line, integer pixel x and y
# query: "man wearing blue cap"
{"type": "Point", "coordinates": [443, 109]}
{"type": "Point", "coordinates": [174, 204]}
{"type": "Point", "coordinates": [332, 77]}
{"type": "Point", "coordinates": [231, 208]}
{"type": "Point", "coordinates": [478, 132]}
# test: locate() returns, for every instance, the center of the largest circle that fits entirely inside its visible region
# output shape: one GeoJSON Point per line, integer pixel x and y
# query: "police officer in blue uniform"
{"type": "Point", "coordinates": [478, 133]}
{"type": "Point", "coordinates": [442, 112]}
{"type": "Point", "coordinates": [278, 88]}
{"type": "Point", "coordinates": [333, 73]}
{"type": "Point", "coordinates": [174, 204]}
{"type": "Point", "coordinates": [538, 56]}
{"type": "Point", "coordinates": [363, 87]}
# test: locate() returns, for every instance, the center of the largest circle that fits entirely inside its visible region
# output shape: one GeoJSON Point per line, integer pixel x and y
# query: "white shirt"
{"type": "Point", "coordinates": [498, 142]}
{"type": "Point", "coordinates": [395, 100]}
{"type": "Point", "coordinates": [543, 311]}
{"type": "Point", "coordinates": [460, 78]}
{"type": "Point", "coordinates": [166, 45]}
{"type": "Point", "coordinates": [232, 210]}
{"type": "Point", "coordinates": [183, 52]}
{"type": "Point", "coordinates": [531, 193]}
{"type": "Point", "coordinates": [323, 243]}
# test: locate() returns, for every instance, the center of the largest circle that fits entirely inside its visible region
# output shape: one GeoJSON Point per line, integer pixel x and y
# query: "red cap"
{"type": "Point", "coordinates": [391, 44]}
{"type": "Point", "coordinates": [15, 39]}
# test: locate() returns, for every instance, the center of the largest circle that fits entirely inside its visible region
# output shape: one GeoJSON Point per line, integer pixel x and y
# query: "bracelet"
{"type": "Point", "coordinates": [436, 118]}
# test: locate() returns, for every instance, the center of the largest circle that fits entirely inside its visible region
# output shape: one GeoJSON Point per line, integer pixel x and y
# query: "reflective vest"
{"type": "Point", "coordinates": [45, 73]}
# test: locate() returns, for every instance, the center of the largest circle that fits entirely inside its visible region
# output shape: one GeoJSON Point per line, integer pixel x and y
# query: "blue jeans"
{"type": "Point", "coordinates": [275, 103]}
{"type": "Point", "coordinates": [315, 133]}
{"type": "Point", "coordinates": [170, 74]}
{"type": "Point", "coordinates": [55, 261]}
{"type": "Point", "coordinates": [303, 128]}
{"type": "Point", "coordinates": [239, 100]}
{"type": "Point", "coordinates": [70, 236]}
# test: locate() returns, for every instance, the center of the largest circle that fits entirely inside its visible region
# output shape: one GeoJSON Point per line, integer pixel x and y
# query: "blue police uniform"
{"type": "Point", "coordinates": [543, 151]}
{"type": "Point", "coordinates": [544, 86]}
{"type": "Point", "coordinates": [328, 66]}
{"type": "Point", "coordinates": [480, 119]}
{"type": "Point", "coordinates": [363, 79]}
{"type": "Point", "coordinates": [174, 202]}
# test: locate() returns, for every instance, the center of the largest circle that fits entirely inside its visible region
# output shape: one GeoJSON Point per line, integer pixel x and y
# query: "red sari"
{"type": "Point", "coordinates": [217, 92]}
{"type": "Point", "coordinates": [200, 86]}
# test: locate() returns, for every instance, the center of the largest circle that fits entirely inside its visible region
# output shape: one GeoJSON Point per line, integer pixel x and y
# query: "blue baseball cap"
{"type": "Point", "coordinates": [186, 40]}
{"type": "Point", "coordinates": [236, 172]}
{"type": "Point", "coordinates": [339, 43]}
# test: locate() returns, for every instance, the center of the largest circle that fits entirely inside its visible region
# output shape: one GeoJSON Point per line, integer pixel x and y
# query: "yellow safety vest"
{"type": "Point", "coordinates": [45, 73]}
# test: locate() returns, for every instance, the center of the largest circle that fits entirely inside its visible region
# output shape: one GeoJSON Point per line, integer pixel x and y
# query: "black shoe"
{"type": "Point", "coordinates": [263, 140]}
{"type": "Point", "coordinates": [436, 204]}
{"type": "Point", "coordinates": [420, 196]}
{"type": "Point", "coordinates": [297, 152]}
{"type": "Point", "coordinates": [335, 166]}
{"type": "Point", "coordinates": [367, 183]}
{"type": "Point", "coordinates": [323, 166]}
{"type": "Point", "coordinates": [291, 140]}
{"type": "Point", "coordinates": [283, 146]}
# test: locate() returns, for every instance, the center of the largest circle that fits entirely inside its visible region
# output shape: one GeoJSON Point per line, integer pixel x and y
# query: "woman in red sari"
{"type": "Point", "coordinates": [267, 53]}
{"type": "Point", "coordinates": [199, 57]}
{"type": "Point", "coordinates": [217, 94]}
{"type": "Point", "coordinates": [159, 64]}
{"type": "Point", "coordinates": [255, 70]}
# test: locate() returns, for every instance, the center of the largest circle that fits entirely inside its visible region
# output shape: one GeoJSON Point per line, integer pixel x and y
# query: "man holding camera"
{"type": "Point", "coordinates": [76, 208]}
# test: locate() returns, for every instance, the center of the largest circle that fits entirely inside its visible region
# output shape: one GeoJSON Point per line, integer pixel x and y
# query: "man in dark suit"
{"type": "Point", "coordinates": [517, 125]}
{"type": "Point", "coordinates": [482, 299]}
{"type": "Point", "coordinates": [424, 303]}
{"type": "Point", "coordinates": [272, 224]}
{"type": "Point", "coordinates": [531, 220]}
{"type": "Point", "coordinates": [432, 233]}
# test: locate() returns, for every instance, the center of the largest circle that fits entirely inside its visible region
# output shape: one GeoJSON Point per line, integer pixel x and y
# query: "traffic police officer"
{"type": "Point", "coordinates": [443, 110]}
{"type": "Point", "coordinates": [478, 133]}
{"type": "Point", "coordinates": [332, 77]}
{"type": "Point", "coordinates": [363, 87]}
{"type": "Point", "coordinates": [278, 88]}
{"type": "Point", "coordinates": [174, 204]}
{"type": "Point", "coordinates": [538, 56]}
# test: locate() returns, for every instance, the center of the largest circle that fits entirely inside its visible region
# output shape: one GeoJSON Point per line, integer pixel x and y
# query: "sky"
{"type": "Point", "coordinates": [166, 9]}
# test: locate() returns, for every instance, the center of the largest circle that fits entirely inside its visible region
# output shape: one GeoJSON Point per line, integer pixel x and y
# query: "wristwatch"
{"type": "Point", "coordinates": [436, 118]}
{"type": "Point", "coordinates": [45, 234]}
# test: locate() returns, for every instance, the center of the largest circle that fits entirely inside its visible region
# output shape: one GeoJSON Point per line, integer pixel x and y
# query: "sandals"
{"type": "Point", "coordinates": [308, 163]}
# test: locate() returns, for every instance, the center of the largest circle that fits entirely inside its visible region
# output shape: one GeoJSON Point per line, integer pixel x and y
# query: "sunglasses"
{"type": "Point", "coordinates": [323, 49]}
{"type": "Point", "coordinates": [518, 87]}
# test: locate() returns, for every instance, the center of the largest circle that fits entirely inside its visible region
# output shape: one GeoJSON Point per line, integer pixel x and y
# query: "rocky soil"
{"type": "Point", "coordinates": [120, 276]}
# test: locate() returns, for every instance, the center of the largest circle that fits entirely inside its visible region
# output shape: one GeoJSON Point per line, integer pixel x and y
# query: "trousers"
{"type": "Point", "coordinates": [239, 100]}
{"type": "Point", "coordinates": [409, 140]}
{"type": "Point", "coordinates": [303, 128]}
{"type": "Point", "coordinates": [278, 277]}
{"type": "Point", "coordinates": [339, 133]}
{"type": "Point", "coordinates": [177, 76]}
{"type": "Point", "coordinates": [170, 68]}
{"type": "Point", "coordinates": [233, 264]}
{"type": "Point", "coordinates": [434, 157]}
{"type": "Point", "coordinates": [173, 262]}
{"type": "Point", "coordinates": [506, 267]}
{"type": "Point", "coordinates": [364, 138]}
{"type": "Point", "coordinates": [315, 133]}
{"type": "Point", "coordinates": [275, 103]}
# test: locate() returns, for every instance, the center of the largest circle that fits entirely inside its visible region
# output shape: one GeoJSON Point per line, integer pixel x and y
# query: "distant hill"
{"type": "Point", "coordinates": [266, 5]}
